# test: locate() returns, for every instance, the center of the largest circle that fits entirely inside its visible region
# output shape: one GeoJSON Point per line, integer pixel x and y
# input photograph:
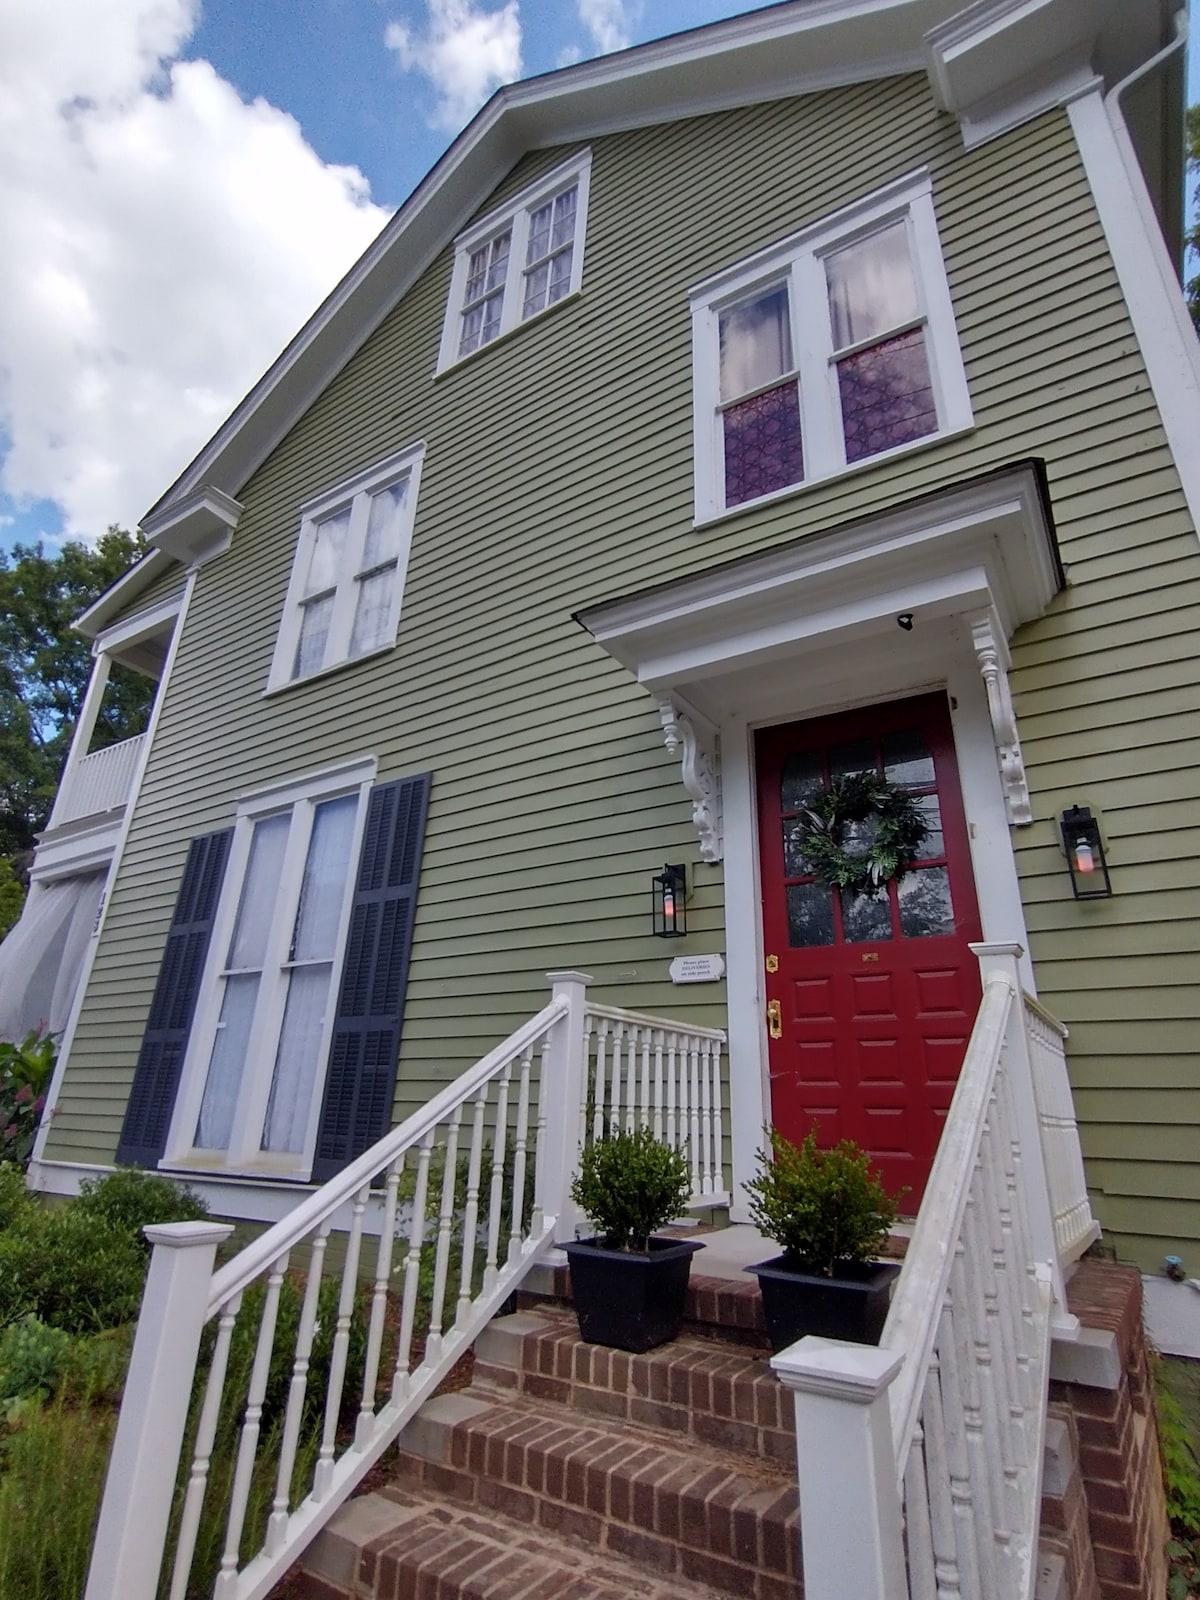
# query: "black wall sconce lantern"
{"type": "Point", "coordinates": [1085, 854]}
{"type": "Point", "coordinates": [670, 909]}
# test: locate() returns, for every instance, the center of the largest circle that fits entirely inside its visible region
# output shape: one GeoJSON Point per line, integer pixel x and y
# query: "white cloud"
{"type": "Point", "coordinates": [465, 52]}
{"type": "Point", "coordinates": [165, 240]}
{"type": "Point", "coordinates": [610, 23]}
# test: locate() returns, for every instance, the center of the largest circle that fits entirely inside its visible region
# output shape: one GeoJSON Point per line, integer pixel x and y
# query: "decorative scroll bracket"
{"type": "Point", "coordinates": [701, 768]}
{"type": "Point", "coordinates": [992, 654]}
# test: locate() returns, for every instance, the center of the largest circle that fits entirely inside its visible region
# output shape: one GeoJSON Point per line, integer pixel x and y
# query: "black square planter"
{"type": "Point", "coordinates": [629, 1301]}
{"type": "Point", "coordinates": [853, 1305]}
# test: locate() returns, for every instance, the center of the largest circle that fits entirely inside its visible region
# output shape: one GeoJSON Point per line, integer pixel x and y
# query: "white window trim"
{"type": "Point", "coordinates": [515, 213]}
{"type": "Point", "coordinates": [356, 493]}
{"type": "Point", "coordinates": [797, 261]}
{"type": "Point", "coordinates": [244, 1154]}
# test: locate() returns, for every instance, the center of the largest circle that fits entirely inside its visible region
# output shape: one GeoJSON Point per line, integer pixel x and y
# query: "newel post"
{"type": "Point", "coordinates": [851, 1532]}
{"type": "Point", "coordinates": [562, 1096]}
{"type": "Point", "coordinates": [1003, 960]}
{"type": "Point", "coordinates": [134, 1514]}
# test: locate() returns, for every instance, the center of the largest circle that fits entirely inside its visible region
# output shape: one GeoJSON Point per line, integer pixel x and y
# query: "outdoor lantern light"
{"type": "Point", "coordinates": [670, 912]}
{"type": "Point", "coordinates": [1085, 854]}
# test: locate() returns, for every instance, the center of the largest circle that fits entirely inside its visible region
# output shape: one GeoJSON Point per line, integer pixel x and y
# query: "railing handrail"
{"type": "Point", "coordinates": [644, 1019]}
{"type": "Point", "coordinates": [108, 751]}
{"type": "Point", "coordinates": [1032, 1003]}
{"type": "Point", "coordinates": [916, 1308]}
{"type": "Point", "coordinates": [250, 1263]}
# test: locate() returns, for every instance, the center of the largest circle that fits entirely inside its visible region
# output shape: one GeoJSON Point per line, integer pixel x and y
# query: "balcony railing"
{"type": "Point", "coordinates": [100, 782]}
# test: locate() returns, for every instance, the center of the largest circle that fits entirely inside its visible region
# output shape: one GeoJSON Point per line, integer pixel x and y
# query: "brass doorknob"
{"type": "Point", "coordinates": [774, 1019]}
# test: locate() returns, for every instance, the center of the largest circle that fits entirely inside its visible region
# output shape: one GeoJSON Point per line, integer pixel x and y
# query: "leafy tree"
{"type": "Point", "coordinates": [44, 670]}
{"type": "Point", "coordinates": [1191, 238]}
{"type": "Point", "coordinates": [12, 895]}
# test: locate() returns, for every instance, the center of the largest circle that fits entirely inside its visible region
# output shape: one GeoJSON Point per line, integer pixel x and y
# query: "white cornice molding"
{"type": "Point", "coordinates": [195, 529]}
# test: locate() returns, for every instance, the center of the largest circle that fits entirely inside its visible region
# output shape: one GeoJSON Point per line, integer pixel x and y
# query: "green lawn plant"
{"type": "Point", "coordinates": [825, 1208]}
{"type": "Point", "coordinates": [630, 1184]}
{"type": "Point", "coordinates": [25, 1073]}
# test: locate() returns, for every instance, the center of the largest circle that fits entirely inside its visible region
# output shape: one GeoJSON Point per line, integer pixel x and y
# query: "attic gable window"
{"type": "Point", "coordinates": [518, 261]}
{"type": "Point", "coordinates": [347, 579]}
{"type": "Point", "coordinates": [833, 348]}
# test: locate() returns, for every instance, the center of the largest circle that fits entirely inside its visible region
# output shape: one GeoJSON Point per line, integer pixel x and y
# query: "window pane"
{"type": "Point", "coordinates": [314, 632]}
{"type": "Point", "coordinates": [324, 565]}
{"type": "Point", "coordinates": [481, 324]}
{"type": "Point", "coordinates": [564, 218]}
{"type": "Point", "coordinates": [866, 918]}
{"type": "Point", "coordinates": [762, 444]}
{"type": "Point", "coordinates": [871, 286]}
{"type": "Point", "coordinates": [795, 863]}
{"type": "Point", "coordinates": [756, 343]}
{"type": "Point", "coordinates": [539, 233]}
{"type": "Point", "coordinates": [296, 1059]}
{"type": "Point", "coordinates": [227, 1062]}
{"type": "Point", "coordinates": [373, 611]}
{"type": "Point", "coordinates": [803, 779]}
{"type": "Point", "coordinates": [810, 914]}
{"type": "Point", "coordinates": [385, 525]}
{"type": "Point", "coordinates": [488, 267]}
{"type": "Point", "coordinates": [326, 871]}
{"type": "Point", "coordinates": [906, 759]}
{"type": "Point", "coordinates": [886, 394]}
{"type": "Point", "coordinates": [856, 756]}
{"type": "Point", "coordinates": [925, 905]}
{"type": "Point", "coordinates": [560, 274]}
{"type": "Point", "coordinates": [536, 284]}
{"type": "Point", "coordinates": [259, 890]}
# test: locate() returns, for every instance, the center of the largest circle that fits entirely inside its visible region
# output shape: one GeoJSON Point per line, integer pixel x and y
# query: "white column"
{"type": "Point", "coordinates": [1003, 960]}
{"type": "Point", "coordinates": [562, 1092]}
{"type": "Point", "coordinates": [850, 1514]}
{"type": "Point", "coordinates": [136, 1509]}
{"type": "Point", "coordinates": [84, 728]}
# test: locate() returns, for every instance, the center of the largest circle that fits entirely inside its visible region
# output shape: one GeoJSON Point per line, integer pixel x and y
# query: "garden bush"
{"type": "Point", "coordinates": [130, 1200]}
{"type": "Point", "coordinates": [74, 1271]}
{"type": "Point", "coordinates": [25, 1073]}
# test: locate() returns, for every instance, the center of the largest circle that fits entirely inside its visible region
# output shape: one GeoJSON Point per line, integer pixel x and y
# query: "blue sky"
{"type": "Point", "coordinates": [182, 182]}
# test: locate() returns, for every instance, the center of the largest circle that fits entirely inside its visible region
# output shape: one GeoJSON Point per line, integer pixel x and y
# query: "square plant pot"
{"type": "Point", "coordinates": [629, 1301]}
{"type": "Point", "coordinates": [853, 1305]}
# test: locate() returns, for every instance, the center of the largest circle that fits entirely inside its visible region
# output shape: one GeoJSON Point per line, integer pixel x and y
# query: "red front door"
{"type": "Point", "coordinates": [876, 995]}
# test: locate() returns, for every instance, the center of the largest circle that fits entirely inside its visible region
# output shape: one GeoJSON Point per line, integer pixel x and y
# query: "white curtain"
{"type": "Point", "coordinates": [871, 286]}
{"type": "Point", "coordinates": [756, 343]}
{"type": "Point", "coordinates": [42, 957]}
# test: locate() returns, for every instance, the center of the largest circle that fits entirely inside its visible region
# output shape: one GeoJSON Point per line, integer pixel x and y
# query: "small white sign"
{"type": "Point", "coordinates": [697, 969]}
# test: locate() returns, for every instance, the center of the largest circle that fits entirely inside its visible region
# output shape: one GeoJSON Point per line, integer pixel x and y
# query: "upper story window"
{"type": "Point", "coordinates": [517, 261]}
{"type": "Point", "coordinates": [347, 581]}
{"type": "Point", "coordinates": [834, 347]}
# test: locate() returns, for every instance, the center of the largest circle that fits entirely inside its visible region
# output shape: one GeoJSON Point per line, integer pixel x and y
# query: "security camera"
{"type": "Point", "coordinates": [905, 621]}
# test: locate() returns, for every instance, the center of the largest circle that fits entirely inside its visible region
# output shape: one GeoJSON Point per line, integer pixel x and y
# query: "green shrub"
{"type": "Point", "coordinates": [25, 1073]}
{"type": "Point", "coordinates": [824, 1207]}
{"type": "Point", "coordinates": [131, 1199]}
{"type": "Point", "coordinates": [74, 1271]}
{"type": "Point", "coordinates": [34, 1358]}
{"type": "Point", "coordinates": [15, 1199]}
{"type": "Point", "coordinates": [1181, 1470]}
{"type": "Point", "coordinates": [628, 1185]}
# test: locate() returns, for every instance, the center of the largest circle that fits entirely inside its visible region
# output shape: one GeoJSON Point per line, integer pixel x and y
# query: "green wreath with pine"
{"type": "Point", "coordinates": [853, 798]}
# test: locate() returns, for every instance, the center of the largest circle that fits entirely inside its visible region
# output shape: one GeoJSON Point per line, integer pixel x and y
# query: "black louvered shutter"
{"type": "Point", "coordinates": [164, 1044]}
{"type": "Point", "coordinates": [366, 1036]}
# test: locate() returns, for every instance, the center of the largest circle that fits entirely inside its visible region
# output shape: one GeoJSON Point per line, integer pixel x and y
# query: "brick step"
{"type": "Point", "coordinates": [711, 1392]}
{"type": "Point", "coordinates": [398, 1545]}
{"type": "Point", "coordinates": [700, 1513]}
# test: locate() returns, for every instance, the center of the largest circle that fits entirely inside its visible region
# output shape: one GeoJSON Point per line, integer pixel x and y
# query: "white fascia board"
{"type": "Point", "coordinates": [976, 53]}
{"type": "Point", "coordinates": [76, 848]}
{"type": "Point", "coordinates": [139, 624]}
{"type": "Point", "coordinates": [121, 594]}
{"type": "Point", "coordinates": [195, 528]}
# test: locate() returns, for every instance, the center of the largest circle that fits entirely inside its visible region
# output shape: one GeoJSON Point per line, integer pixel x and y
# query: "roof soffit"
{"type": "Point", "coordinates": [782, 51]}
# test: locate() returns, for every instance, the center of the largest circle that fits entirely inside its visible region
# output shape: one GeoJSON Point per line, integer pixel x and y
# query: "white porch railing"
{"type": "Point", "coordinates": [651, 1072]}
{"type": "Point", "coordinates": [1074, 1226]}
{"type": "Point", "coordinates": [311, 1364]}
{"type": "Point", "coordinates": [98, 782]}
{"type": "Point", "coordinates": [920, 1461]}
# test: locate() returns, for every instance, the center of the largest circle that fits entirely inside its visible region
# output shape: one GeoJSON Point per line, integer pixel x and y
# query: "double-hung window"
{"type": "Point", "coordinates": [832, 348]}
{"type": "Point", "coordinates": [518, 261]}
{"type": "Point", "coordinates": [347, 579]}
{"type": "Point", "coordinates": [257, 1053]}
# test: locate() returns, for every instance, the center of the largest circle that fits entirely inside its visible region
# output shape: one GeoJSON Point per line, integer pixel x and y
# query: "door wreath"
{"type": "Point", "coordinates": [900, 831]}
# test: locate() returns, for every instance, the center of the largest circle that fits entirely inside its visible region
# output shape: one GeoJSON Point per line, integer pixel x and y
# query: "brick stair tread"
{"type": "Point", "coordinates": [444, 1548]}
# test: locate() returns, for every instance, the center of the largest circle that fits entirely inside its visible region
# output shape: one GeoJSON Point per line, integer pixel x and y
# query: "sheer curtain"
{"type": "Point", "coordinates": [871, 286]}
{"type": "Point", "coordinates": [756, 343]}
{"type": "Point", "coordinates": [41, 959]}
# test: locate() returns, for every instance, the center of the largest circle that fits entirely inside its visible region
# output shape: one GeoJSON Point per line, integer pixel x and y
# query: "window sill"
{"type": "Point", "coordinates": [195, 1165]}
{"type": "Point", "coordinates": [327, 672]}
{"type": "Point", "coordinates": [503, 338]}
{"type": "Point", "coordinates": [708, 518]}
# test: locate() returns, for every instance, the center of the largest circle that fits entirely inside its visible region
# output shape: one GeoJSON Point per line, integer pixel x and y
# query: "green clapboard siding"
{"type": "Point", "coordinates": [558, 474]}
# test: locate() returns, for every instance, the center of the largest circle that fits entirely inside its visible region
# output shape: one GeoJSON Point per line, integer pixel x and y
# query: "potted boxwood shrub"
{"type": "Point", "coordinates": [628, 1287]}
{"type": "Point", "coordinates": [830, 1212]}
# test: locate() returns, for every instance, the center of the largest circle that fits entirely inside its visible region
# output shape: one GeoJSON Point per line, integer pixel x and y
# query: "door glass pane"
{"type": "Point", "coordinates": [296, 1059]}
{"type": "Point", "coordinates": [871, 286]}
{"type": "Point", "coordinates": [935, 844]}
{"type": "Point", "coordinates": [925, 905]}
{"type": "Point", "coordinates": [323, 890]}
{"type": "Point", "coordinates": [259, 890]}
{"type": "Point", "coordinates": [906, 759]}
{"type": "Point", "coordinates": [227, 1062]}
{"type": "Point", "coordinates": [810, 914]}
{"type": "Point", "coordinates": [324, 565]}
{"type": "Point", "coordinates": [385, 525]}
{"type": "Point", "coordinates": [858, 756]}
{"type": "Point", "coordinates": [756, 342]}
{"type": "Point", "coordinates": [887, 396]}
{"type": "Point", "coordinates": [373, 611]}
{"type": "Point", "coordinates": [795, 863]}
{"type": "Point", "coordinates": [802, 780]}
{"type": "Point", "coordinates": [315, 617]}
{"type": "Point", "coordinates": [866, 918]}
